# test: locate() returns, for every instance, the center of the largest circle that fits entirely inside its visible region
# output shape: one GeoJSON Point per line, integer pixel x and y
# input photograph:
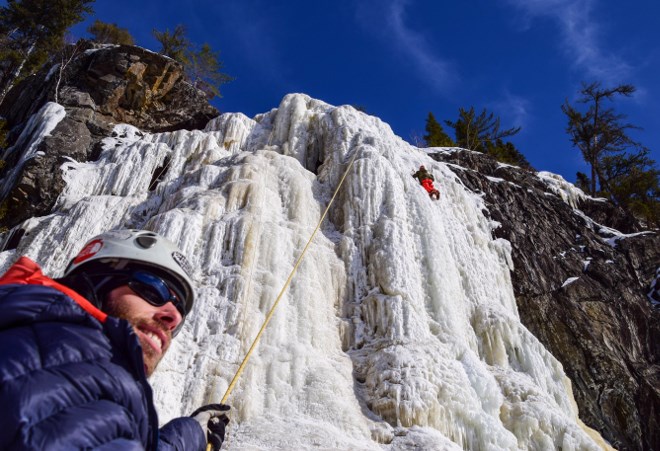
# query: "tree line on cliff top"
{"type": "Point", "coordinates": [34, 31]}
{"type": "Point", "coordinates": [621, 168]}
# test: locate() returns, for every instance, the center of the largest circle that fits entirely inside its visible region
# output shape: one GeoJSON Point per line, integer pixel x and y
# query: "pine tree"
{"type": "Point", "coordinates": [582, 181]}
{"type": "Point", "coordinates": [110, 33]}
{"type": "Point", "coordinates": [506, 152]}
{"type": "Point", "coordinates": [621, 168]}
{"type": "Point", "coordinates": [474, 132]}
{"type": "Point", "coordinates": [599, 131]}
{"type": "Point", "coordinates": [202, 66]}
{"type": "Point", "coordinates": [435, 134]}
{"type": "Point", "coordinates": [482, 133]}
{"type": "Point", "coordinates": [634, 183]}
{"type": "Point", "coordinates": [204, 70]}
{"type": "Point", "coordinates": [173, 44]}
{"type": "Point", "coordinates": [31, 31]}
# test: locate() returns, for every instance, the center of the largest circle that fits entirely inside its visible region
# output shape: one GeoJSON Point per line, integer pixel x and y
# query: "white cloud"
{"type": "Point", "coordinates": [434, 70]}
{"type": "Point", "coordinates": [514, 110]}
{"type": "Point", "coordinates": [579, 34]}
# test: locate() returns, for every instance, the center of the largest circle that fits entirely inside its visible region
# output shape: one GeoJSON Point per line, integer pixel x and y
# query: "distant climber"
{"type": "Point", "coordinates": [426, 179]}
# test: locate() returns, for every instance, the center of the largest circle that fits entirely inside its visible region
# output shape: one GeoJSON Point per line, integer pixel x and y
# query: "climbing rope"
{"type": "Point", "coordinates": [246, 292]}
{"type": "Point", "coordinates": [286, 285]}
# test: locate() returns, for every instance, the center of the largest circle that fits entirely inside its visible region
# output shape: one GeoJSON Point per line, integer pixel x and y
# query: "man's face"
{"type": "Point", "coordinates": [153, 325]}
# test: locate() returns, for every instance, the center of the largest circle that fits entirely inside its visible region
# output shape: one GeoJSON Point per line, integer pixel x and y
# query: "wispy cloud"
{"type": "Point", "coordinates": [514, 110]}
{"type": "Point", "coordinates": [257, 51]}
{"type": "Point", "coordinates": [579, 34]}
{"type": "Point", "coordinates": [413, 45]}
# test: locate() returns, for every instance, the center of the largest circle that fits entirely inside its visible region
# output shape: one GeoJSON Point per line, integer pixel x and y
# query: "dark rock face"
{"type": "Point", "coordinates": [99, 87]}
{"type": "Point", "coordinates": [601, 326]}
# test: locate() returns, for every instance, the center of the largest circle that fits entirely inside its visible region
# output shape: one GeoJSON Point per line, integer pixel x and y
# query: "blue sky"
{"type": "Point", "coordinates": [401, 59]}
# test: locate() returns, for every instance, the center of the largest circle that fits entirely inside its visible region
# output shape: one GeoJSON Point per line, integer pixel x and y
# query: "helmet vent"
{"type": "Point", "coordinates": [146, 242]}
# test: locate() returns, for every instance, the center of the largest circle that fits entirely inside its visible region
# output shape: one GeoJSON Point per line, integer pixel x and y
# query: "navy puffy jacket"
{"type": "Point", "coordinates": [70, 380]}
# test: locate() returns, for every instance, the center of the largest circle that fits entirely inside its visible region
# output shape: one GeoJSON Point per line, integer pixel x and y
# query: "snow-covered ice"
{"type": "Point", "coordinates": [608, 235]}
{"type": "Point", "coordinates": [569, 281]}
{"type": "Point", "coordinates": [39, 126]}
{"type": "Point", "coordinates": [568, 192]}
{"type": "Point", "coordinates": [654, 291]}
{"type": "Point", "coordinates": [400, 328]}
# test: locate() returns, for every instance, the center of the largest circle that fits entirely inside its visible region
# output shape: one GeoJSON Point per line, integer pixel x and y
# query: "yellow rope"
{"type": "Point", "coordinates": [279, 296]}
{"type": "Point", "coordinates": [286, 285]}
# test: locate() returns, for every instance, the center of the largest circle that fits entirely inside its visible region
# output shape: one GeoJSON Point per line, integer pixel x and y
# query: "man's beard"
{"type": "Point", "coordinates": [149, 355]}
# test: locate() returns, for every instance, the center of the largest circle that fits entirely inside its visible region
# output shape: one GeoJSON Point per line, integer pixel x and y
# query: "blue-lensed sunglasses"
{"type": "Point", "coordinates": [155, 291]}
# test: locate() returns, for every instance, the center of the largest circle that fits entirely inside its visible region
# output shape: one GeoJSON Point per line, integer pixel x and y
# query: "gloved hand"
{"type": "Point", "coordinates": [213, 421]}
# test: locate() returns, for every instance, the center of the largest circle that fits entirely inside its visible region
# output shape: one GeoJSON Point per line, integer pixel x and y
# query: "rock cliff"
{"type": "Point", "coordinates": [100, 86]}
{"type": "Point", "coordinates": [583, 289]}
{"type": "Point", "coordinates": [583, 270]}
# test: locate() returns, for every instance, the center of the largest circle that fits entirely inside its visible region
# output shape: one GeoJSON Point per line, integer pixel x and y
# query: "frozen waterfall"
{"type": "Point", "coordinates": [400, 329]}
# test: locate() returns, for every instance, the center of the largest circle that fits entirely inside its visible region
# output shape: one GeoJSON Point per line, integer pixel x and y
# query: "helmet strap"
{"type": "Point", "coordinates": [93, 287]}
{"type": "Point", "coordinates": [83, 285]}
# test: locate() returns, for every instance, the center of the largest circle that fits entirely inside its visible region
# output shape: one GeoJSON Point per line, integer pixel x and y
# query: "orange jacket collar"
{"type": "Point", "coordinates": [27, 272]}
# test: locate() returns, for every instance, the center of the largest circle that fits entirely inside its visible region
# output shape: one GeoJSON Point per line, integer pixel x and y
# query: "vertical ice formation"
{"type": "Point", "coordinates": [400, 328]}
{"type": "Point", "coordinates": [568, 192]}
{"type": "Point", "coordinates": [39, 126]}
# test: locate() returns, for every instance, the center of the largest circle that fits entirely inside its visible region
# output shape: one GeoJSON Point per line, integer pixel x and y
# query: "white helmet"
{"type": "Point", "coordinates": [123, 249]}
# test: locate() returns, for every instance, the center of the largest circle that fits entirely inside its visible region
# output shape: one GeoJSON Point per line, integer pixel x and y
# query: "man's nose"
{"type": "Point", "coordinates": [169, 315]}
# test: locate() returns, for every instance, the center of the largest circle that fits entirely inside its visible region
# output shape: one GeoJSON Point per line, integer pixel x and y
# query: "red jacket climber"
{"type": "Point", "coordinates": [426, 180]}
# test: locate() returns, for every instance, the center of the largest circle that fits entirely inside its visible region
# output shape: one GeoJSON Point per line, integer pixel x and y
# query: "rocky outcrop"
{"type": "Point", "coordinates": [99, 87]}
{"type": "Point", "coordinates": [582, 290]}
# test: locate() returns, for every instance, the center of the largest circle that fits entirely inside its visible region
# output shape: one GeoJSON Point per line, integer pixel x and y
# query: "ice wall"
{"type": "Point", "coordinates": [400, 328]}
{"type": "Point", "coordinates": [38, 126]}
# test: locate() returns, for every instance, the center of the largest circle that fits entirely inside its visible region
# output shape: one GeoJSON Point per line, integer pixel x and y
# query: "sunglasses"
{"type": "Point", "coordinates": [155, 291]}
